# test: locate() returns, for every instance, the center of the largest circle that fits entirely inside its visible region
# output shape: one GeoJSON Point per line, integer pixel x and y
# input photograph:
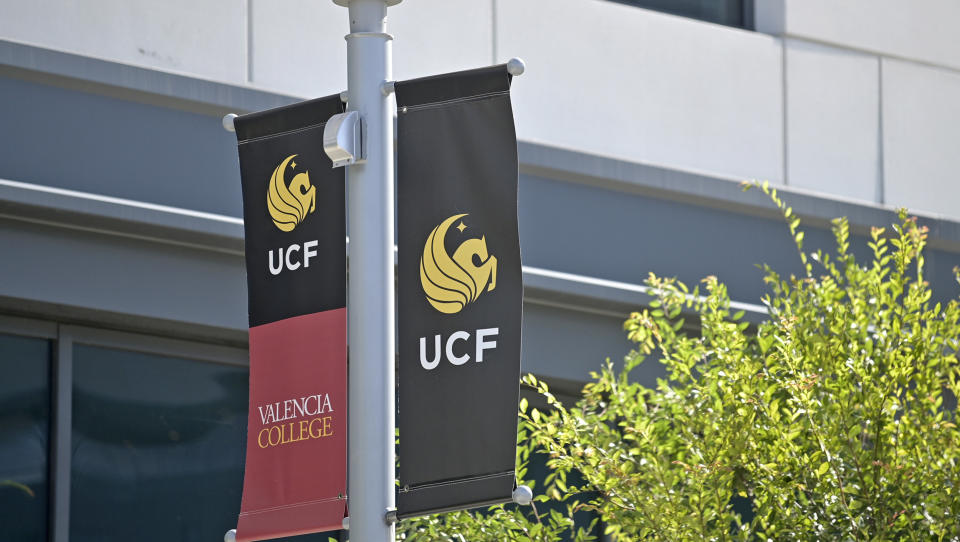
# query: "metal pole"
{"type": "Point", "coordinates": [370, 313]}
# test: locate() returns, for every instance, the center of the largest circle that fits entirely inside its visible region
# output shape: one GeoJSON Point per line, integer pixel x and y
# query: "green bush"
{"type": "Point", "coordinates": [826, 421]}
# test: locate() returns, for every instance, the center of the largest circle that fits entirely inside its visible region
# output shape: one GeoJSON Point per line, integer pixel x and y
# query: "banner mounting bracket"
{"type": "Point", "coordinates": [390, 516]}
{"type": "Point", "coordinates": [343, 139]}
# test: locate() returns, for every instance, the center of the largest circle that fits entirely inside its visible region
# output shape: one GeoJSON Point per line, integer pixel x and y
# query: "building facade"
{"type": "Point", "coordinates": [122, 292]}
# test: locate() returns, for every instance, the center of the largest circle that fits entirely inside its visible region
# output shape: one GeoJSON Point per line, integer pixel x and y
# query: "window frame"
{"type": "Point", "coordinates": [41, 329]}
{"type": "Point", "coordinates": [63, 338]}
{"type": "Point", "coordinates": [747, 14]}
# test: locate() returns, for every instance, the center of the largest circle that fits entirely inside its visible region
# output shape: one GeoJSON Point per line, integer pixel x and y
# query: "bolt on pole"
{"type": "Point", "coordinates": [370, 293]}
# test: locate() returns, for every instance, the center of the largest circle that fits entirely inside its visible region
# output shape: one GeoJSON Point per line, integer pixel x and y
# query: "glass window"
{"type": "Point", "coordinates": [24, 438]}
{"type": "Point", "coordinates": [737, 13]}
{"type": "Point", "coordinates": [158, 447]}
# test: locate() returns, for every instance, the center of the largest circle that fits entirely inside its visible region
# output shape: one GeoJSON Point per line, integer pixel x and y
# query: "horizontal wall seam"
{"type": "Point", "coordinates": [152, 223]}
{"type": "Point", "coordinates": [171, 89]}
{"type": "Point", "coordinates": [717, 192]}
{"type": "Point", "coordinates": [206, 231]}
{"type": "Point", "coordinates": [886, 55]}
{"type": "Point", "coordinates": [658, 181]}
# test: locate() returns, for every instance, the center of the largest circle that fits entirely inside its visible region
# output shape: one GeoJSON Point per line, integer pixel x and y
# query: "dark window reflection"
{"type": "Point", "coordinates": [158, 447]}
{"type": "Point", "coordinates": [24, 438]}
{"type": "Point", "coordinates": [727, 12]}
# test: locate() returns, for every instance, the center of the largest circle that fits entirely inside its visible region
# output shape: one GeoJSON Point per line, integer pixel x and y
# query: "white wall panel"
{"type": "Point", "coordinates": [639, 85]}
{"type": "Point", "coordinates": [924, 30]}
{"type": "Point", "coordinates": [921, 137]}
{"type": "Point", "coordinates": [298, 45]}
{"type": "Point", "coordinates": [437, 36]}
{"type": "Point", "coordinates": [207, 38]}
{"type": "Point", "coordinates": [832, 120]}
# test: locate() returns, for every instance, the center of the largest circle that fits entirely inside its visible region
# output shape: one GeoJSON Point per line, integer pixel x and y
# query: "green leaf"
{"type": "Point", "coordinates": [829, 416]}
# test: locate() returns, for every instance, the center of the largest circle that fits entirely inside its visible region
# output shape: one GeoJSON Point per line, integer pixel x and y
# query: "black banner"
{"type": "Point", "coordinates": [293, 212]}
{"type": "Point", "coordinates": [295, 228]}
{"type": "Point", "coordinates": [460, 291]}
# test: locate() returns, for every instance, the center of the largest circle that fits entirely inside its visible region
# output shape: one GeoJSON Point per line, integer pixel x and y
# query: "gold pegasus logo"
{"type": "Point", "coordinates": [452, 282]}
{"type": "Point", "coordinates": [289, 205]}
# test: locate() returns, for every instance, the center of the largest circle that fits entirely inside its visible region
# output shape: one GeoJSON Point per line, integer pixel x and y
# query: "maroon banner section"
{"type": "Point", "coordinates": [297, 428]}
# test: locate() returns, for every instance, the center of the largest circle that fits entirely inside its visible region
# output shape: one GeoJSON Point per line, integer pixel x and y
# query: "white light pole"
{"type": "Point", "coordinates": [370, 294]}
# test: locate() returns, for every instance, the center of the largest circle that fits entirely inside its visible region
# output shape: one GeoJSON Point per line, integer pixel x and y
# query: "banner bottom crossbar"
{"type": "Point", "coordinates": [449, 496]}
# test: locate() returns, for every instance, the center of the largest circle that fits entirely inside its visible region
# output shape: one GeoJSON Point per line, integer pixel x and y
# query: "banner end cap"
{"type": "Point", "coordinates": [516, 66]}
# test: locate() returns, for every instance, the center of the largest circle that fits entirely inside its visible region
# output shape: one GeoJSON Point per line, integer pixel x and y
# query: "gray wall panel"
{"type": "Point", "coordinates": [613, 235]}
{"type": "Point", "coordinates": [92, 143]}
{"type": "Point", "coordinates": [569, 344]}
{"type": "Point", "coordinates": [596, 232]}
{"type": "Point", "coordinates": [56, 266]}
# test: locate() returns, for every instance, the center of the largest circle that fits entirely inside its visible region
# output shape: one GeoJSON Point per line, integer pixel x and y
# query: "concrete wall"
{"type": "Point", "coordinates": [630, 83]}
{"type": "Point", "coordinates": [825, 96]}
{"type": "Point", "coordinates": [207, 39]}
{"type": "Point", "coordinates": [921, 136]}
{"type": "Point", "coordinates": [811, 107]}
{"type": "Point", "coordinates": [119, 190]}
{"type": "Point", "coordinates": [833, 120]}
{"type": "Point", "coordinates": [298, 45]}
{"type": "Point", "coordinates": [925, 31]}
{"type": "Point", "coordinates": [871, 89]}
{"type": "Point", "coordinates": [92, 143]}
{"type": "Point", "coordinates": [602, 77]}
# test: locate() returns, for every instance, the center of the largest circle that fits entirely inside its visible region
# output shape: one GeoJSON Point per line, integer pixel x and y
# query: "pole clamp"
{"type": "Point", "coordinates": [390, 516]}
{"type": "Point", "coordinates": [343, 139]}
